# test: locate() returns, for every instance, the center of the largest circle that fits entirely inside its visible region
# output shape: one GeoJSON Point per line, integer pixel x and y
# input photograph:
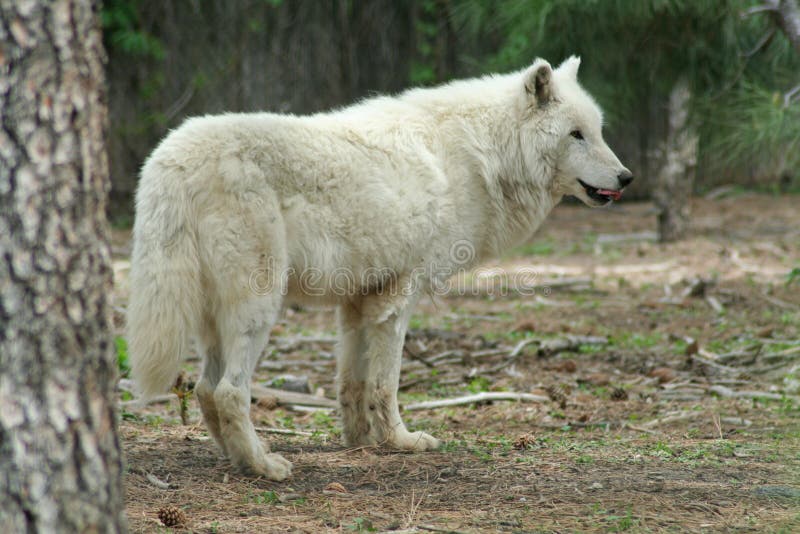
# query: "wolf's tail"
{"type": "Point", "coordinates": [165, 304]}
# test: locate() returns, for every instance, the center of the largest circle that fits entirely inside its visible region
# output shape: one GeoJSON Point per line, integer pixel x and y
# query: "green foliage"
{"type": "Point", "coordinates": [635, 51]}
{"type": "Point", "coordinates": [265, 497]}
{"type": "Point", "coordinates": [286, 421]}
{"type": "Point", "coordinates": [662, 450]}
{"type": "Point", "coordinates": [479, 384]}
{"type": "Point", "coordinates": [122, 356]}
{"type": "Point", "coordinates": [422, 70]}
{"type": "Point", "coordinates": [122, 30]}
{"type": "Point", "coordinates": [361, 524]}
{"type": "Point", "coordinates": [750, 123]}
{"type": "Point", "coordinates": [793, 277]}
{"type": "Point", "coordinates": [537, 248]}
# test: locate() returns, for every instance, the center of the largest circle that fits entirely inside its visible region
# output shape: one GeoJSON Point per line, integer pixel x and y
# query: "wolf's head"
{"type": "Point", "coordinates": [560, 115]}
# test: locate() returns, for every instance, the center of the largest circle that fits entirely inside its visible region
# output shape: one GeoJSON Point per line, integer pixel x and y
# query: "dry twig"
{"type": "Point", "coordinates": [727, 392]}
{"type": "Point", "coordinates": [672, 418]}
{"type": "Point", "coordinates": [290, 397]}
{"type": "Point", "coordinates": [484, 396]}
{"type": "Point", "coordinates": [285, 431]}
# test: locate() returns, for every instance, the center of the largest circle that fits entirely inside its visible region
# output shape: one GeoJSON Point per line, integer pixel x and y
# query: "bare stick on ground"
{"type": "Point", "coordinates": [478, 397]}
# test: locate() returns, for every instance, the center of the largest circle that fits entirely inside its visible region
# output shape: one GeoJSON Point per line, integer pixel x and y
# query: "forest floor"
{"type": "Point", "coordinates": [672, 377]}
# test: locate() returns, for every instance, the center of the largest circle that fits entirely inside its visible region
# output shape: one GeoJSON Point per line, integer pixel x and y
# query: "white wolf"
{"type": "Point", "coordinates": [238, 214]}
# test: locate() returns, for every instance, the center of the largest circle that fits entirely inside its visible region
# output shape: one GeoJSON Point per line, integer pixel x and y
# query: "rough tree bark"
{"type": "Point", "coordinates": [59, 447]}
{"type": "Point", "coordinates": [675, 180]}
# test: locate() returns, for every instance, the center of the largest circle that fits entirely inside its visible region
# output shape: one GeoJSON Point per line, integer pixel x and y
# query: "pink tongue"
{"type": "Point", "coordinates": [616, 195]}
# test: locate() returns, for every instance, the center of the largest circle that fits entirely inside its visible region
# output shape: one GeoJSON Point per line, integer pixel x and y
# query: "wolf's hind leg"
{"type": "Point", "coordinates": [211, 350]}
{"type": "Point", "coordinates": [247, 335]}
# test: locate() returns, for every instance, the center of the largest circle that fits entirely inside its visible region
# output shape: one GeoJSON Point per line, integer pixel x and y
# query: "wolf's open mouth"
{"type": "Point", "coordinates": [601, 195]}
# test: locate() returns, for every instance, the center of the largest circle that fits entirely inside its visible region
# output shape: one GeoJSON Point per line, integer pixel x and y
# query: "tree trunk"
{"type": "Point", "coordinates": [59, 447]}
{"type": "Point", "coordinates": [675, 180]}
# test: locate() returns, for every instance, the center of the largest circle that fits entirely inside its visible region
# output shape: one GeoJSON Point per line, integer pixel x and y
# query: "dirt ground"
{"type": "Point", "coordinates": [679, 413]}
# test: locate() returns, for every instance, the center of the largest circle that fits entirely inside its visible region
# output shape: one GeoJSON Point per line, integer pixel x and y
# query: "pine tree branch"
{"type": "Point", "coordinates": [762, 43]}
{"type": "Point", "coordinates": [755, 10]}
{"type": "Point", "coordinates": [791, 95]}
{"type": "Point", "coordinates": [785, 14]}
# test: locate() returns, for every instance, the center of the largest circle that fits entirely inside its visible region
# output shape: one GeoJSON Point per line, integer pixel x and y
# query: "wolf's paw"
{"type": "Point", "coordinates": [415, 441]}
{"type": "Point", "coordinates": [273, 466]}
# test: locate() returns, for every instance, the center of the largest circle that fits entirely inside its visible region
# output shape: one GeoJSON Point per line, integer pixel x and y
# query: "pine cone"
{"type": "Point", "coordinates": [170, 516]}
{"type": "Point", "coordinates": [559, 393]}
{"type": "Point", "coordinates": [619, 394]}
{"type": "Point", "coordinates": [524, 441]}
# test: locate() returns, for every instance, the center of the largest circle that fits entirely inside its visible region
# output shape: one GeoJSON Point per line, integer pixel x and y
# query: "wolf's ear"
{"type": "Point", "coordinates": [538, 82]}
{"type": "Point", "coordinates": [570, 66]}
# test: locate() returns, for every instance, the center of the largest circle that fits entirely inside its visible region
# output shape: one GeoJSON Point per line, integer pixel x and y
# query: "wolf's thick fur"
{"type": "Point", "coordinates": [234, 211]}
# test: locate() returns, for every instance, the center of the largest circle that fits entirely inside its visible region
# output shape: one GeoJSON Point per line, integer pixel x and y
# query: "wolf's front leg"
{"type": "Point", "coordinates": [372, 337]}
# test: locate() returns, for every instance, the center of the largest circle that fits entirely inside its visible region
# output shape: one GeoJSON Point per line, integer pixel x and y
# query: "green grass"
{"type": "Point", "coordinates": [635, 340]}
{"type": "Point", "coordinates": [265, 497]}
{"type": "Point", "coordinates": [479, 384]}
{"type": "Point", "coordinates": [122, 356]}
{"type": "Point", "coordinates": [121, 221]}
{"type": "Point", "coordinates": [537, 248]}
{"type": "Point", "coordinates": [361, 524]}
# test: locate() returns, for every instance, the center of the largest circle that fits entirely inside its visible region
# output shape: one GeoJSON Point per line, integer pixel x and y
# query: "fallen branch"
{"type": "Point", "coordinates": [431, 528]}
{"type": "Point", "coordinates": [141, 403]}
{"type": "Point", "coordinates": [638, 428]}
{"type": "Point", "coordinates": [736, 421]}
{"type": "Point", "coordinates": [544, 301]}
{"type": "Point", "coordinates": [284, 431]}
{"type": "Point", "coordinates": [290, 397]}
{"type": "Point", "coordinates": [565, 283]}
{"type": "Point", "coordinates": [287, 344]}
{"type": "Point", "coordinates": [308, 409]}
{"type": "Point", "coordinates": [477, 354]}
{"type": "Point", "coordinates": [746, 356]}
{"type": "Point", "coordinates": [674, 418]}
{"type": "Point", "coordinates": [418, 357]}
{"type": "Point", "coordinates": [720, 191]}
{"type": "Point", "coordinates": [771, 341]}
{"type": "Point", "coordinates": [521, 345]}
{"type": "Point", "coordinates": [285, 365]}
{"type": "Point", "coordinates": [155, 481]}
{"type": "Point", "coordinates": [786, 354]}
{"type": "Point", "coordinates": [729, 393]}
{"type": "Point", "coordinates": [550, 347]}
{"type": "Point", "coordinates": [281, 397]}
{"type": "Point", "coordinates": [715, 304]}
{"type": "Point", "coordinates": [713, 365]}
{"type": "Point", "coordinates": [623, 238]}
{"type": "Point", "coordinates": [778, 302]}
{"type": "Point", "coordinates": [126, 384]}
{"type": "Point", "coordinates": [484, 396]}
{"type": "Point", "coordinates": [512, 357]}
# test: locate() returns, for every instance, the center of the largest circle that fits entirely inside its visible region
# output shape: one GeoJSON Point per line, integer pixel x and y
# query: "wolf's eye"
{"type": "Point", "coordinates": [577, 135]}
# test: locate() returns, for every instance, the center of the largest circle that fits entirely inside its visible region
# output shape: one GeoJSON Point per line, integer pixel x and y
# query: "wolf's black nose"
{"type": "Point", "coordinates": [625, 178]}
